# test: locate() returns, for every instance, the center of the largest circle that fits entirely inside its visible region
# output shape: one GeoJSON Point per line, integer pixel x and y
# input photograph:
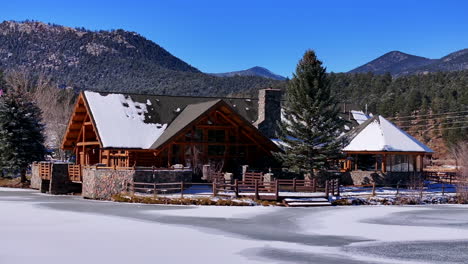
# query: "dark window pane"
{"type": "Point", "coordinates": [215, 150]}
{"type": "Point", "coordinates": [216, 135]}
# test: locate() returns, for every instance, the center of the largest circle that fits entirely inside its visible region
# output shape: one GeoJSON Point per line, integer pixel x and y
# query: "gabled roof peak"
{"type": "Point", "coordinates": [377, 134]}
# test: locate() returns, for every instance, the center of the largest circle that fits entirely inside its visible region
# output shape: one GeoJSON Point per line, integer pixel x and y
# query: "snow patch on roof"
{"type": "Point", "coordinates": [359, 116]}
{"type": "Point", "coordinates": [382, 135]}
{"type": "Point", "coordinates": [120, 121]}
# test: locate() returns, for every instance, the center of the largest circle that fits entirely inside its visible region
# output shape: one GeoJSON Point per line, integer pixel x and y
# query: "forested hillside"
{"type": "Point", "coordinates": [421, 102]}
{"type": "Point", "coordinates": [115, 60]}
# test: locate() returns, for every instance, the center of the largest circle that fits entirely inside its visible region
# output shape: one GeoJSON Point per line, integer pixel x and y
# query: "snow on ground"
{"type": "Point", "coordinates": [31, 231]}
{"type": "Point", "coordinates": [354, 222]}
{"type": "Point", "coordinates": [7, 189]}
{"type": "Point", "coordinates": [238, 212]}
{"type": "Point", "coordinates": [41, 233]}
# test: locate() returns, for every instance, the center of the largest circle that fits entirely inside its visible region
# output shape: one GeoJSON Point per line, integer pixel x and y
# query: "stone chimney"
{"type": "Point", "coordinates": [269, 111]}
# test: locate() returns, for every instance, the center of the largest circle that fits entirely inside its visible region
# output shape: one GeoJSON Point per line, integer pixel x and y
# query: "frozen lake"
{"type": "Point", "coordinates": [38, 228]}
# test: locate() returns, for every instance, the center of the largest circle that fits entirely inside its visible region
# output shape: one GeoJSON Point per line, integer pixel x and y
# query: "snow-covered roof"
{"type": "Point", "coordinates": [379, 134]}
{"type": "Point", "coordinates": [121, 122]}
{"type": "Point", "coordinates": [147, 121]}
{"type": "Point", "coordinates": [359, 116]}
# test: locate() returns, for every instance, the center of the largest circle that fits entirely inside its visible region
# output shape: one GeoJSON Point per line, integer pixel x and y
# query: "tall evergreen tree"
{"type": "Point", "coordinates": [21, 132]}
{"type": "Point", "coordinates": [311, 122]}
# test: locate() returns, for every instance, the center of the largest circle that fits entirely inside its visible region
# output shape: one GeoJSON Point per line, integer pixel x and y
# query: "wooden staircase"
{"type": "Point", "coordinates": [306, 202]}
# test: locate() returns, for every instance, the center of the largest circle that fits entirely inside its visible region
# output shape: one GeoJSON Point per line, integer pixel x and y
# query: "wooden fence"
{"type": "Point", "coordinates": [257, 190]}
{"type": "Point", "coordinates": [250, 177]}
{"type": "Point", "coordinates": [45, 170]}
{"type": "Point", "coordinates": [74, 173]}
{"type": "Point", "coordinates": [165, 188]}
{"type": "Point", "coordinates": [440, 176]}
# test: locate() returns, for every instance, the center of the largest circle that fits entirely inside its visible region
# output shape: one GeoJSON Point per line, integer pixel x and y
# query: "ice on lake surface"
{"type": "Point", "coordinates": [48, 229]}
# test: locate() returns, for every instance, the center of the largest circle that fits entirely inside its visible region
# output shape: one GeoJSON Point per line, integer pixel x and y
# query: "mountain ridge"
{"type": "Point", "coordinates": [398, 63]}
{"type": "Point", "coordinates": [254, 71]}
{"type": "Point", "coordinates": [116, 60]}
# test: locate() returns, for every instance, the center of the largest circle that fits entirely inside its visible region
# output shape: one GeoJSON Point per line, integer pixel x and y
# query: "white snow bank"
{"type": "Point", "coordinates": [5, 189]}
{"type": "Point", "coordinates": [349, 221]}
{"type": "Point", "coordinates": [120, 121]}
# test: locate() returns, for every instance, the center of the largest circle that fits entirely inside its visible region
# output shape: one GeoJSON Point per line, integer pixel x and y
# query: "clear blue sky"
{"type": "Point", "coordinates": [220, 36]}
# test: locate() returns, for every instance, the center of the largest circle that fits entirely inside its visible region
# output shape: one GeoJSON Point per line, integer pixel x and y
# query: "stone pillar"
{"type": "Point", "coordinates": [36, 181]}
{"type": "Point", "coordinates": [244, 170]}
{"type": "Point", "coordinates": [268, 177]}
{"type": "Point", "coordinates": [206, 172]}
{"type": "Point", "coordinates": [269, 111]}
{"type": "Point", "coordinates": [228, 177]}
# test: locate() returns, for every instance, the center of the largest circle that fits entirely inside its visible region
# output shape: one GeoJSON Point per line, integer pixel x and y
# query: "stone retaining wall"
{"type": "Point", "coordinates": [104, 183]}
{"type": "Point", "coordinates": [378, 177]}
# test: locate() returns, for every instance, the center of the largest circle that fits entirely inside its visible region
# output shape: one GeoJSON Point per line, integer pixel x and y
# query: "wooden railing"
{"type": "Point", "coordinates": [294, 185]}
{"type": "Point", "coordinates": [165, 188]}
{"type": "Point", "coordinates": [74, 172]}
{"type": "Point", "coordinates": [332, 187]}
{"type": "Point", "coordinates": [45, 170]}
{"type": "Point", "coordinates": [258, 190]}
{"type": "Point", "coordinates": [219, 177]}
{"type": "Point", "coordinates": [271, 190]}
{"type": "Point", "coordinates": [139, 168]}
{"type": "Point", "coordinates": [250, 177]}
{"type": "Point", "coordinates": [440, 177]}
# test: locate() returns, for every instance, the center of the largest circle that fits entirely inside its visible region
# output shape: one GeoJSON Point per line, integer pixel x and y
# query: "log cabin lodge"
{"type": "Point", "coordinates": [127, 130]}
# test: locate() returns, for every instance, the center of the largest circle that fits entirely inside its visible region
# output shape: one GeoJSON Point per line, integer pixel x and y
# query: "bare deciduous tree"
{"type": "Point", "coordinates": [56, 104]}
{"type": "Point", "coordinates": [460, 153]}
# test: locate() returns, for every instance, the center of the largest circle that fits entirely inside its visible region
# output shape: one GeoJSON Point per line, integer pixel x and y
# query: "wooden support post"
{"type": "Point", "coordinates": [384, 163]}
{"type": "Point", "coordinates": [338, 187]}
{"type": "Point", "coordinates": [355, 162]}
{"type": "Point", "coordinates": [154, 191]}
{"type": "Point", "coordinates": [398, 188]}
{"type": "Point", "coordinates": [181, 189]}
{"type": "Point", "coordinates": [257, 196]}
{"type": "Point", "coordinates": [294, 185]}
{"type": "Point", "coordinates": [373, 189]}
{"type": "Point", "coordinates": [334, 187]}
{"type": "Point", "coordinates": [236, 188]}
{"type": "Point", "coordinates": [327, 188]}
{"type": "Point", "coordinates": [421, 162]}
{"type": "Point", "coordinates": [277, 189]}
{"type": "Point", "coordinates": [214, 188]}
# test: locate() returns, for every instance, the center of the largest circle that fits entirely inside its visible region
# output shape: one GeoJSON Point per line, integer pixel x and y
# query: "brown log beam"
{"type": "Point", "coordinates": [87, 143]}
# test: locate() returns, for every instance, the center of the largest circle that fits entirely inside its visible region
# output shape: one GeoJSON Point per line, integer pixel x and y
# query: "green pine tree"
{"type": "Point", "coordinates": [21, 132]}
{"type": "Point", "coordinates": [311, 122]}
